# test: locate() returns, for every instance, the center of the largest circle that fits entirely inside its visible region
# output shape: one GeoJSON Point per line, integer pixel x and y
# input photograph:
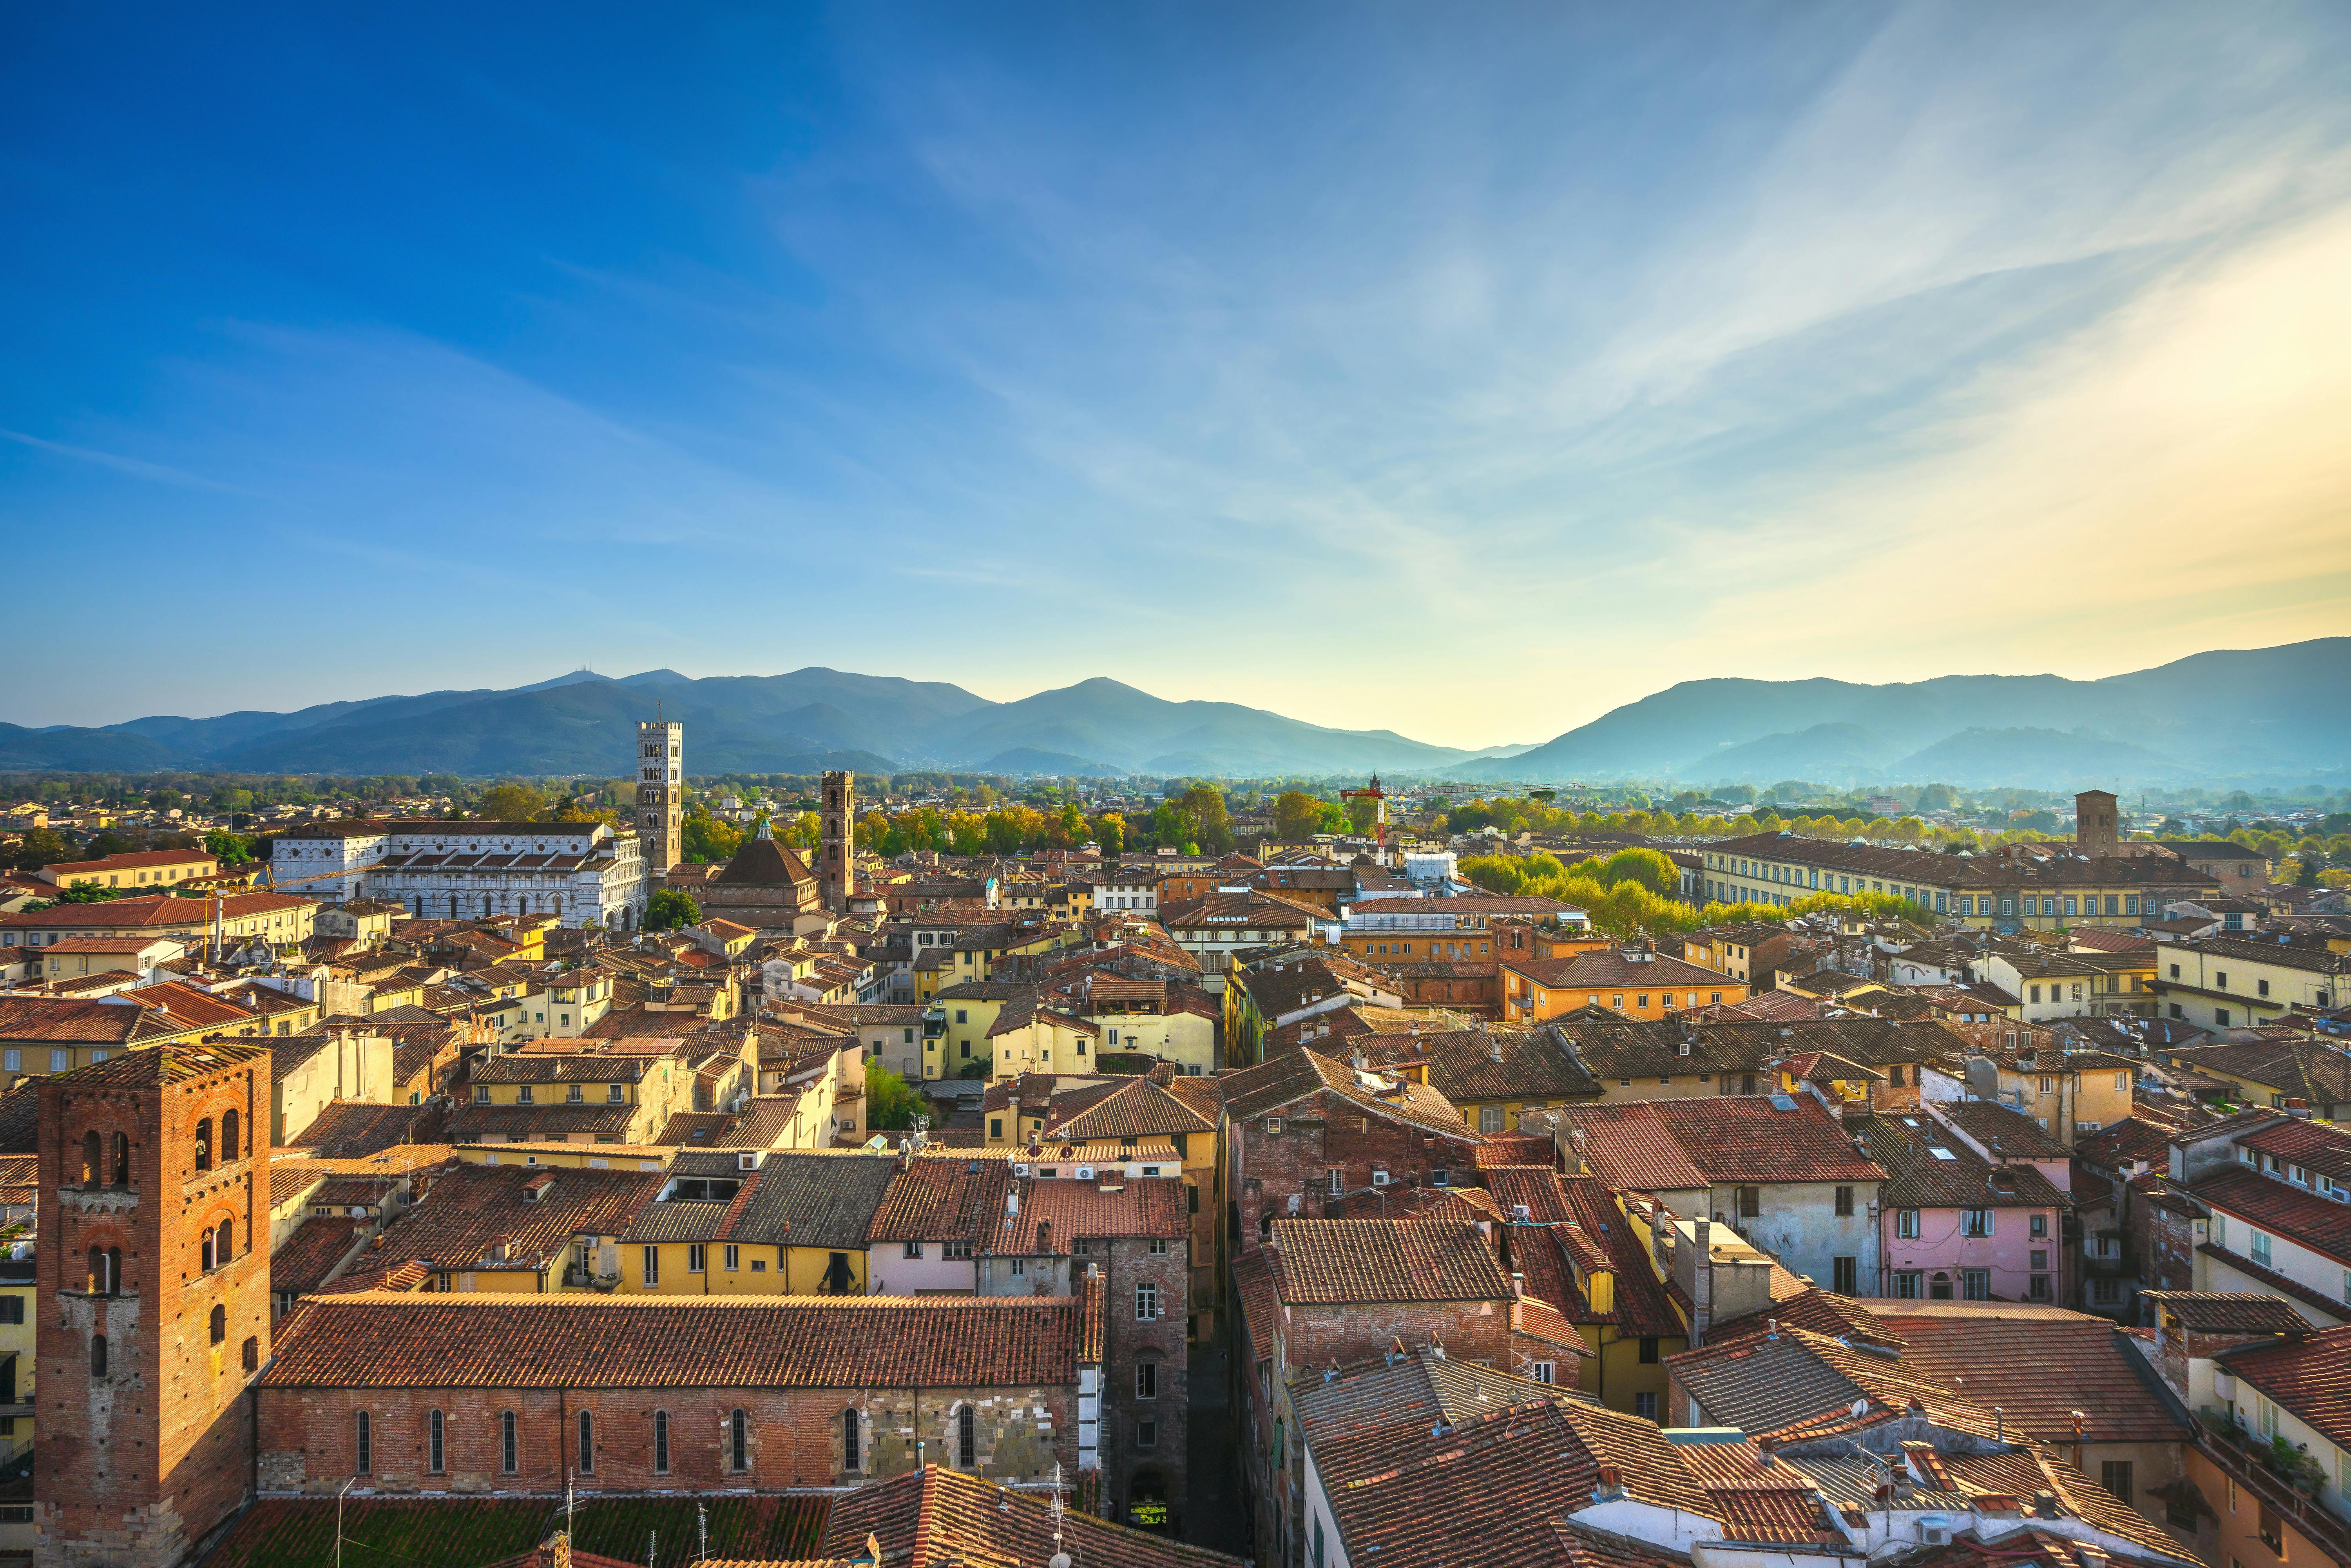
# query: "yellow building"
{"type": "Point", "coordinates": [593, 1096]}
{"type": "Point", "coordinates": [1029, 1037]}
{"type": "Point", "coordinates": [1584, 1249]}
{"type": "Point", "coordinates": [2068, 1092]}
{"type": "Point", "coordinates": [137, 953]}
{"type": "Point", "coordinates": [278, 918]}
{"type": "Point", "coordinates": [142, 871]}
{"type": "Point", "coordinates": [750, 1222]}
{"type": "Point", "coordinates": [42, 1035]}
{"type": "Point", "coordinates": [19, 1323]}
{"type": "Point", "coordinates": [519, 1229]}
{"type": "Point", "coordinates": [957, 1023]}
{"type": "Point", "coordinates": [2226, 982]}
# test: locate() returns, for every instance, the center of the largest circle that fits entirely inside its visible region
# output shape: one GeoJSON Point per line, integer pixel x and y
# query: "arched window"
{"type": "Point", "coordinates": [966, 1438]}
{"type": "Point", "coordinates": [212, 1240]}
{"type": "Point", "coordinates": [91, 1172]}
{"type": "Point", "coordinates": [849, 1444]}
{"type": "Point", "coordinates": [661, 1442]}
{"type": "Point", "coordinates": [225, 1248]}
{"type": "Point", "coordinates": [435, 1433]}
{"type": "Point", "coordinates": [98, 1355]}
{"type": "Point", "coordinates": [587, 1443]}
{"type": "Point", "coordinates": [738, 1441]}
{"type": "Point", "coordinates": [122, 1160]}
{"type": "Point", "coordinates": [228, 1136]}
{"type": "Point", "coordinates": [363, 1447]}
{"type": "Point", "coordinates": [508, 1459]}
{"type": "Point", "coordinates": [251, 1353]}
{"type": "Point", "coordinates": [205, 1144]}
{"type": "Point", "coordinates": [220, 1322]}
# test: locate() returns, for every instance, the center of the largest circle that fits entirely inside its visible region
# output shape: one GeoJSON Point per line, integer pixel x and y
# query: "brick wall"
{"type": "Point", "coordinates": [1132, 1467]}
{"type": "Point", "coordinates": [793, 1437]}
{"type": "Point", "coordinates": [1317, 1135]}
{"type": "Point", "coordinates": [135, 1466]}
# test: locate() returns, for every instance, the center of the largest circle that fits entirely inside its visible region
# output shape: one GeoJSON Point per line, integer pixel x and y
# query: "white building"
{"type": "Point", "coordinates": [1130, 890]}
{"type": "Point", "coordinates": [578, 871]}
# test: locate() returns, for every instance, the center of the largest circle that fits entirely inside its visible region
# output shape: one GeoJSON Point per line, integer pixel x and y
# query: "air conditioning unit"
{"type": "Point", "coordinates": [1020, 1170]}
{"type": "Point", "coordinates": [1934, 1530]}
{"type": "Point", "coordinates": [1521, 1212]}
{"type": "Point", "coordinates": [1379, 1178]}
{"type": "Point", "coordinates": [1085, 1173]}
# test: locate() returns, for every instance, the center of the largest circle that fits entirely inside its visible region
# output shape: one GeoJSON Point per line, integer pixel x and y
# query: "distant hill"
{"type": "Point", "coordinates": [2215, 714]}
{"type": "Point", "coordinates": [583, 723]}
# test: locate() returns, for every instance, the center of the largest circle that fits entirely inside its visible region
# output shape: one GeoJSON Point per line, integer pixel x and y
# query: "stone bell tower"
{"type": "Point", "coordinates": [661, 797]}
{"type": "Point", "coordinates": [153, 1291]}
{"type": "Point", "coordinates": [836, 866]}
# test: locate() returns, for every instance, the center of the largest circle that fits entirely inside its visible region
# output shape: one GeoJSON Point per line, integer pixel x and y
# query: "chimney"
{"type": "Point", "coordinates": [1045, 1237]}
{"type": "Point", "coordinates": [1610, 1486]}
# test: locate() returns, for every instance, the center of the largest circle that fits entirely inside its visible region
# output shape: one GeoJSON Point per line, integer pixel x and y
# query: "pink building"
{"type": "Point", "coordinates": [1973, 1206]}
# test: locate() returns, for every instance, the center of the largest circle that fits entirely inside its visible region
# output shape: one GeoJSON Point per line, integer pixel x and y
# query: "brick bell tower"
{"type": "Point", "coordinates": [836, 866]}
{"type": "Point", "coordinates": [153, 1295]}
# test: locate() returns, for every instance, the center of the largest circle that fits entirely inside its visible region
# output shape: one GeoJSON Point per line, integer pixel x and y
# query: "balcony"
{"type": "Point", "coordinates": [2261, 1468]}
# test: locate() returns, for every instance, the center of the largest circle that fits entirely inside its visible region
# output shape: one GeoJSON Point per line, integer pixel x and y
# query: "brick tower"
{"type": "Point", "coordinates": [836, 863]}
{"type": "Point", "coordinates": [2095, 830]}
{"type": "Point", "coordinates": [153, 1290]}
{"type": "Point", "coordinates": [661, 797]}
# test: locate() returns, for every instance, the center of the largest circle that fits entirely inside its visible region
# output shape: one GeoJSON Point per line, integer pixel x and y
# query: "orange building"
{"type": "Point", "coordinates": [1632, 981]}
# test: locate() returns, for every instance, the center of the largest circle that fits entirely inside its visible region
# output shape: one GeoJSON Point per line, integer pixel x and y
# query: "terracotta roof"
{"type": "Point", "coordinates": [1284, 1080]}
{"type": "Point", "coordinates": [472, 1206]}
{"type": "Point", "coordinates": [351, 1129]}
{"type": "Point", "coordinates": [317, 1244]}
{"type": "Point", "coordinates": [1139, 1206]}
{"type": "Point", "coordinates": [1505, 1149]}
{"type": "Point", "coordinates": [1261, 1299]}
{"type": "Point", "coordinates": [2223, 1311]}
{"type": "Point", "coordinates": [66, 1020]}
{"type": "Point", "coordinates": [2003, 1130]}
{"type": "Point", "coordinates": [1750, 1138]}
{"type": "Point", "coordinates": [177, 1062]}
{"type": "Point", "coordinates": [1423, 1258]}
{"type": "Point", "coordinates": [514, 1124]}
{"type": "Point", "coordinates": [792, 1199]}
{"type": "Point", "coordinates": [20, 1118]}
{"type": "Point", "coordinates": [2037, 1366]}
{"type": "Point", "coordinates": [1421, 1388]}
{"type": "Point", "coordinates": [942, 1518]}
{"type": "Point", "coordinates": [2310, 1145]}
{"type": "Point", "coordinates": [2280, 1209]}
{"type": "Point", "coordinates": [2314, 1069]}
{"type": "Point", "coordinates": [101, 945]}
{"type": "Point", "coordinates": [1126, 1108]}
{"type": "Point", "coordinates": [1473, 904]}
{"type": "Point", "coordinates": [129, 914]}
{"type": "Point", "coordinates": [1929, 1167]}
{"type": "Point", "coordinates": [941, 1197]}
{"type": "Point", "coordinates": [2311, 1378]}
{"type": "Point", "coordinates": [1500, 1063]}
{"type": "Point", "coordinates": [1417, 1494]}
{"type": "Point", "coordinates": [576, 1340]}
{"type": "Point", "coordinates": [1798, 1380]}
{"type": "Point", "coordinates": [1626, 1145]}
{"type": "Point", "coordinates": [1611, 969]}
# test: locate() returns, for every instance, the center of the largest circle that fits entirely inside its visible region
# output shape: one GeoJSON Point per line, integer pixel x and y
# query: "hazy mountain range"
{"type": "Point", "coordinates": [2286, 709]}
{"type": "Point", "coordinates": [2283, 709]}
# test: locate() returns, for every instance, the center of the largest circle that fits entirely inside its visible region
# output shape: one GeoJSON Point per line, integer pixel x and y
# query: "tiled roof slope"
{"type": "Point", "coordinates": [941, 1197]}
{"type": "Point", "coordinates": [937, 1517]}
{"type": "Point", "coordinates": [1293, 1075]}
{"type": "Point", "coordinates": [1424, 1258]}
{"type": "Point", "coordinates": [2040, 1368]}
{"type": "Point", "coordinates": [574, 1340]}
{"type": "Point", "coordinates": [1422, 1389]}
{"type": "Point", "coordinates": [2310, 1377]}
{"type": "Point", "coordinates": [2282, 1210]}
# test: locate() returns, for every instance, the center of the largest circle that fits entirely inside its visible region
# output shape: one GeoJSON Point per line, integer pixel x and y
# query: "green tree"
{"type": "Point", "coordinates": [39, 847]}
{"type": "Point", "coordinates": [670, 910]}
{"type": "Point", "coordinates": [1069, 826]}
{"type": "Point", "coordinates": [1362, 816]}
{"type": "Point", "coordinates": [1296, 815]}
{"type": "Point", "coordinates": [1110, 832]}
{"type": "Point", "coordinates": [511, 800]}
{"type": "Point", "coordinates": [229, 849]}
{"type": "Point", "coordinates": [890, 1103]}
{"type": "Point", "coordinates": [1203, 810]}
{"type": "Point", "coordinates": [102, 845]}
{"type": "Point", "coordinates": [704, 840]}
{"type": "Point", "coordinates": [83, 893]}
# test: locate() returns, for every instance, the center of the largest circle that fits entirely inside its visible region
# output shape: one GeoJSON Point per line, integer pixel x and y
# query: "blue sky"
{"type": "Point", "coordinates": [1460, 370]}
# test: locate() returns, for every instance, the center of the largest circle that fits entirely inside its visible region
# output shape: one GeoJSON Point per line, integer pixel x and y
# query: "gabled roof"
{"type": "Point", "coordinates": [2228, 1312]}
{"type": "Point", "coordinates": [1420, 1388]}
{"type": "Point", "coordinates": [1927, 1168]}
{"type": "Point", "coordinates": [2280, 1209]}
{"type": "Point", "coordinates": [936, 1518]}
{"type": "Point", "coordinates": [941, 1197]}
{"type": "Point", "coordinates": [578, 1340]}
{"type": "Point", "coordinates": [1423, 1259]}
{"type": "Point", "coordinates": [1798, 1381]}
{"type": "Point", "coordinates": [473, 1206]}
{"type": "Point", "coordinates": [764, 863]}
{"type": "Point", "coordinates": [2311, 1378]}
{"type": "Point", "coordinates": [178, 1063]}
{"type": "Point", "coordinates": [2038, 1365]}
{"type": "Point", "coordinates": [1497, 1063]}
{"type": "Point", "coordinates": [1124, 1108]}
{"type": "Point", "coordinates": [1284, 1080]}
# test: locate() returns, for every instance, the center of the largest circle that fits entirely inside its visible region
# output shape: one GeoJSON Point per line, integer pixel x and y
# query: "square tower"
{"type": "Point", "coordinates": [2096, 832]}
{"type": "Point", "coordinates": [661, 797]}
{"type": "Point", "coordinates": [836, 863]}
{"type": "Point", "coordinates": [153, 1290]}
